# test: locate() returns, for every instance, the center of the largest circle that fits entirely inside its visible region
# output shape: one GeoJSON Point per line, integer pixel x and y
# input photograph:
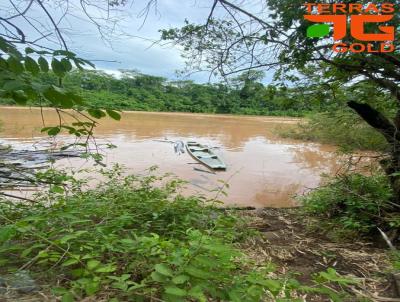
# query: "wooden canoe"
{"type": "Point", "coordinates": [205, 155]}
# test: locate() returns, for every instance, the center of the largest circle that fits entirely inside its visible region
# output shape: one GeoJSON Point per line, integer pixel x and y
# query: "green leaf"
{"type": "Point", "coordinates": [4, 45]}
{"type": "Point", "coordinates": [57, 189]}
{"type": "Point", "coordinates": [10, 49]}
{"type": "Point", "coordinates": [65, 53]}
{"type": "Point", "coordinates": [53, 131]}
{"type": "Point", "coordinates": [66, 64]}
{"type": "Point", "coordinates": [158, 277]}
{"type": "Point", "coordinates": [3, 63]}
{"type": "Point", "coordinates": [71, 130]}
{"type": "Point", "coordinates": [113, 114]}
{"type": "Point", "coordinates": [198, 273]}
{"type": "Point", "coordinates": [92, 264]}
{"type": "Point", "coordinates": [180, 279]}
{"type": "Point", "coordinates": [78, 100]}
{"type": "Point", "coordinates": [78, 272]}
{"type": "Point", "coordinates": [43, 52]}
{"type": "Point", "coordinates": [59, 97]}
{"type": "Point", "coordinates": [66, 103]}
{"type": "Point", "coordinates": [175, 291]}
{"type": "Point", "coordinates": [69, 262]}
{"type": "Point", "coordinates": [67, 297]}
{"type": "Point", "coordinates": [163, 269]}
{"type": "Point", "coordinates": [272, 285]}
{"type": "Point", "coordinates": [30, 249]}
{"type": "Point", "coordinates": [91, 287]}
{"type": "Point", "coordinates": [44, 65]}
{"type": "Point", "coordinates": [106, 269]}
{"type": "Point", "coordinates": [15, 65]}
{"type": "Point", "coordinates": [318, 30]}
{"type": "Point", "coordinates": [59, 291]}
{"type": "Point", "coordinates": [197, 292]}
{"type": "Point", "coordinates": [6, 233]}
{"type": "Point", "coordinates": [96, 113]}
{"type": "Point", "coordinates": [19, 97]}
{"type": "Point", "coordinates": [332, 276]}
{"type": "Point", "coordinates": [79, 61]}
{"type": "Point", "coordinates": [31, 66]}
{"type": "Point", "coordinates": [58, 68]}
{"type": "Point", "coordinates": [29, 50]}
{"type": "Point", "coordinates": [235, 296]}
{"type": "Point", "coordinates": [43, 254]}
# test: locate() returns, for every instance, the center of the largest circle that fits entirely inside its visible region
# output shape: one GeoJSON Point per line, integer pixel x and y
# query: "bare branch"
{"type": "Point", "coordinates": [60, 36]}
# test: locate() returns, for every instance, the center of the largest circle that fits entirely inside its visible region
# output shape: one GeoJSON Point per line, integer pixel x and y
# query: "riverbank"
{"type": "Point", "coordinates": [287, 240]}
{"type": "Point", "coordinates": [141, 92]}
{"type": "Point", "coordinates": [272, 118]}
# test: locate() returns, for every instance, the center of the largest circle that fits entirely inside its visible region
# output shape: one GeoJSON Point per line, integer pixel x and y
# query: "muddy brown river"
{"type": "Point", "coordinates": [263, 169]}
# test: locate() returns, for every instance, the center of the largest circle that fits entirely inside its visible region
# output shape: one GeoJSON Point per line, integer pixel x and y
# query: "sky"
{"type": "Point", "coordinates": [133, 50]}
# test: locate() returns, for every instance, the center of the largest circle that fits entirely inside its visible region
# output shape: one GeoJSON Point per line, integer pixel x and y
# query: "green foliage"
{"type": "Point", "coordinates": [134, 240]}
{"type": "Point", "coordinates": [21, 80]}
{"type": "Point", "coordinates": [326, 279]}
{"type": "Point", "coordinates": [336, 124]}
{"type": "Point", "coordinates": [135, 91]}
{"type": "Point", "coordinates": [342, 128]}
{"type": "Point", "coordinates": [353, 202]}
{"type": "Point", "coordinates": [137, 239]}
{"type": "Point", "coordinates": [394, 261]}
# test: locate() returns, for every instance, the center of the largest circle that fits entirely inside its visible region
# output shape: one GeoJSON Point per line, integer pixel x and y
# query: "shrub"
{"type": "Point", "coordinates": [353, 202]}
{"type": "Point", "coordinates": [134, 240]}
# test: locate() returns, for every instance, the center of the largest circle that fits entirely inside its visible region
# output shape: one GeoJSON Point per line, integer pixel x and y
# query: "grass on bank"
{"type": "Point", "coordinates": [341, 128]}
{"type": "Point", "coordinates": [132, 240]}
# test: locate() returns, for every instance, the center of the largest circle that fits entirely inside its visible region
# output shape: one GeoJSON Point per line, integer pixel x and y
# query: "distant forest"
{"type": "Point", "coordinates": [133, 90]}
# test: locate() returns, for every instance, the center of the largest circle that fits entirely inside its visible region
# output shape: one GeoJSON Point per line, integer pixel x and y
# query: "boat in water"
{"type": "Point", "coordinates": [205, 155]}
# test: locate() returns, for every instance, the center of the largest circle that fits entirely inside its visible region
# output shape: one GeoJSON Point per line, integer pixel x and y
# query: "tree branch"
{"type": "Point", "coordinates": [54, 24]}
{"type": "Point", "coordinates": [376, 120]}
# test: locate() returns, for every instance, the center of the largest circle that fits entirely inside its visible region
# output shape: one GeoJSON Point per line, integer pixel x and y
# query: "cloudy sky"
{"type": "Point", "coordinates": [132, 50]}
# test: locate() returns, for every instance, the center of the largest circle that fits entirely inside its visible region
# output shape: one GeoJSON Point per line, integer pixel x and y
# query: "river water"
{"type": "Point", "coordinates": [263, 169]}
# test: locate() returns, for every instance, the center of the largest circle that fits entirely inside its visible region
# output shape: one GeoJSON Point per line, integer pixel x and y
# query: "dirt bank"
{"type": "Point", "coordinates": [287, 242]}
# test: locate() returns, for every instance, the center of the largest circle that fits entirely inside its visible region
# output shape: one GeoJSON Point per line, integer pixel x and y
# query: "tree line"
{"type": "Point", "coordinates": [132, 90]}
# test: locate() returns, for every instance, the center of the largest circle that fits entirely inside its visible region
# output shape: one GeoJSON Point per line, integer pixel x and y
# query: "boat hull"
{"type": "Point", "coordinates": [205, 156]}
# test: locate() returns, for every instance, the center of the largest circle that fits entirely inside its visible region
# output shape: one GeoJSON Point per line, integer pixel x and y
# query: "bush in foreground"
{"type": "Point", "coordinates": [354, 204]}
{"type": "Point", "coordinates": [132, 240]}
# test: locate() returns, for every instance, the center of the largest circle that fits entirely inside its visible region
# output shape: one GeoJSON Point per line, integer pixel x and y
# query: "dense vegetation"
{"type": "Point", "coordinates": [135, 91]}
{"type": "Point", "coordinates": [354, 205]}
{"type": "Point", "coordinates": [130, 240]}
{"type": "Point", "coordinates": [338, 125]}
